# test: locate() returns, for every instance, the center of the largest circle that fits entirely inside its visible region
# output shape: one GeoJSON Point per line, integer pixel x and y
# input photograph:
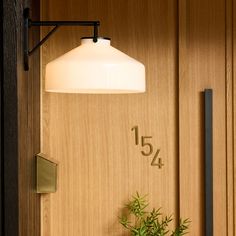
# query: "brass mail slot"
{"type": "Point", "coordinates": [46, 174]}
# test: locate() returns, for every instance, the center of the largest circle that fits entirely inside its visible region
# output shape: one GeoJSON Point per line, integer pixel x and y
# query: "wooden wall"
{"type": "Point", "coordinates": [28, 93]}
{"type": "Point", "coordinates": [186, 46]}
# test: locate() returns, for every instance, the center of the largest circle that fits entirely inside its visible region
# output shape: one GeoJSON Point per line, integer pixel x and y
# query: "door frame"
{"type": "Point", "coordinates": [20, 123]}
{"type": "Point", "coordinates": [9, 119]}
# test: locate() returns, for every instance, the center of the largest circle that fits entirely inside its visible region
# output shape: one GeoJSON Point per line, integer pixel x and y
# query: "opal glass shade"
{"type": "Point", "coordinates": [95, 68]}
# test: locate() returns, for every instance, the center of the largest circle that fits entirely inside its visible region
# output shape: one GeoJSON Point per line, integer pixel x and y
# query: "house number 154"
{"type": "Point", "coordinates": [148, 147]}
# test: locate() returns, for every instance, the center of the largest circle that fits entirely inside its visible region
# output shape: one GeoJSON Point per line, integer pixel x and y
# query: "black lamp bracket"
{"type": "Point", "coordinates": [28, 23]}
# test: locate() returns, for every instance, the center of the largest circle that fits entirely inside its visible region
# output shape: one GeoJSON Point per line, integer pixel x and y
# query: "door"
{"type": "Point", "coordinates": [186, 46]}
{"type": "Point", "coordinates": [93, 136]}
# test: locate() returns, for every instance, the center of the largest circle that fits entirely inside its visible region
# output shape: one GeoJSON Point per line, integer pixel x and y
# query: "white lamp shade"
{"type": "Point", "coordinates": [95, 68]}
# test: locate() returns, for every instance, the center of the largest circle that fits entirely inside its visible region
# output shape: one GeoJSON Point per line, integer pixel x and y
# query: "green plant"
{"type": "Point", "coordinates": [143, 223]}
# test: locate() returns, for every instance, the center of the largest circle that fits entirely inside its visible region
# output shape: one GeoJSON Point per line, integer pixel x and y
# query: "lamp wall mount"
{"type": "Point", "coordinates": [28, 23]}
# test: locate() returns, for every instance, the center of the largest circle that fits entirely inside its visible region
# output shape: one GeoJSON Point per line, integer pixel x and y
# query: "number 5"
{"type": "Point", "coordinates": [144, 143]}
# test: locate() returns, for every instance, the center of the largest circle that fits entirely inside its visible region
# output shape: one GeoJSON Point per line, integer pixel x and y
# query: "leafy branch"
{"type": "Point", "coordinates": [151, 223]}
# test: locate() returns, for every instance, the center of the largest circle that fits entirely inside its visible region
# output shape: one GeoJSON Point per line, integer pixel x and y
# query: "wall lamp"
{"type": "Point", "coordinates": [93, 67]}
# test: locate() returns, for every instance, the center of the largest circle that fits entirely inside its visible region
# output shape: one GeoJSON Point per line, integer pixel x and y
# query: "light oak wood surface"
{"type": "Point", "coordinates": [202, 65]}
{"type": "Point", "coordinates": [229, 118]}
{"type": "Point", "coordinates": [28, 84]}
{"type": "Point", "coordinates": [90, 135]}
{"type": "Point", "coordinates": [186, 46]}
{"type": "Point", "coordinates": [234, 109]}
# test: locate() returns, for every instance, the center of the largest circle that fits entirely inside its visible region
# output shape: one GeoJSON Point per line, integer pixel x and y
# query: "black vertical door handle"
{"type": "Point", "coordinates": [208, 115]}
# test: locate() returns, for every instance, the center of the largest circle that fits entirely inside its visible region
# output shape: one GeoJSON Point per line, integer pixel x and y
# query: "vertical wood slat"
{"type": "Point", "coordinates": [234, 110]}
{"type": "Point", "coordinates": [201, 65]}
{"type": "Point", "coordinates": [187, 200]}
{"type": "Point", "coordinates": [29, 129]}
{"type": "Point", "coordinates": [229, 116]}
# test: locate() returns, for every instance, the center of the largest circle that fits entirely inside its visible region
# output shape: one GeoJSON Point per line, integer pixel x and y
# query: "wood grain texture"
{"type": "Point", "coordinates": [229, 118]}
{"type": "Point", "coordinates": [28, 93]}
{"type": "Point", "coordinates": [9, 123]}
{"type": "Point", "coordinates": [202, 65]}
{"type": "Point", "coordinates": [19, 126]}
{"type": "Point", "coordinates": [90, 135]}
{"type": "Point", "coordinates": [234, 115]}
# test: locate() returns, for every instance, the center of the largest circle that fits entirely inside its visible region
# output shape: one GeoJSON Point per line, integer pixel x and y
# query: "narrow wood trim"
{"type": "Point", "coordinates": [29, 130]}
{"type": "Point", "coordinates": [177, 17]}
{"type": "Point", "coordinates": [20, 124]}
{"type": "Point", "coordinates": [234, 109]}
{"type": "Point", "coordinates": [229, 114]}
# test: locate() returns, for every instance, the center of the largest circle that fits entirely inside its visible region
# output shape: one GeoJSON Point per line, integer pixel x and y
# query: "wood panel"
{"type": "Point", "coordinates": [90, 135]}
{"type": "Point", "coordinates": [202, 65]}
{"type": "Point", "coordinates": [29, 128]}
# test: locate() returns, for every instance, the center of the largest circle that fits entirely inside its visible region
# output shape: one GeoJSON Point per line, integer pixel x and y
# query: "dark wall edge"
{"type": "Point", "coordinates": [9, 122]}
{"type": "Point", "coordinates": [19, 101]}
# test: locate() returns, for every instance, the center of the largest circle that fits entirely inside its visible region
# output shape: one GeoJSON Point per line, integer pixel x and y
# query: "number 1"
{"type": "Point", "coordinates": [135, 128]}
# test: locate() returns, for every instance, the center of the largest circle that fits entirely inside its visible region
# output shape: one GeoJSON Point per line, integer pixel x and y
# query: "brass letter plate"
{"type": "Point", "coordinates": [46, 174]}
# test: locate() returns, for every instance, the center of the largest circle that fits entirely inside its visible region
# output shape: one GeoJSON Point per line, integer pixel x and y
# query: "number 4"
{"type": "Point", "coordinates": [159, 164]}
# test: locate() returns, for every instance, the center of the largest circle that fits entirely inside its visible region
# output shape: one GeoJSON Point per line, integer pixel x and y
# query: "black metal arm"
{"type": "Point", "coordinates": [42, 41]}
{"type": "Point", "coordinates": [28, 23]}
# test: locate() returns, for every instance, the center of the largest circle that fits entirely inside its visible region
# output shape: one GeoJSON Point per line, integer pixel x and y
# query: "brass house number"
{"type": "Point", "coordinates": [145, 143]}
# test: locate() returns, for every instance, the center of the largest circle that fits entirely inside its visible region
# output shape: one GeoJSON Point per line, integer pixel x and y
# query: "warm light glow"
{"type": "Point", "coordinates": [95, 68]}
